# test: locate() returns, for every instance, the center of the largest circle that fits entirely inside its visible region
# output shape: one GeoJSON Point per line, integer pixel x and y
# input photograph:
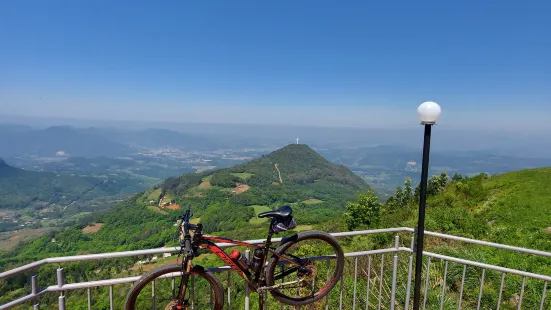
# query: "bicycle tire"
{"type": "Point", "coordinates": [337, 274]}
{"type": "Point", "coordinates": [215, 284]}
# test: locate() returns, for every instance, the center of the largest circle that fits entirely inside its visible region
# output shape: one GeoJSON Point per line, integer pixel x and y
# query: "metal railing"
{"type": "Point", "coordinates": [365, 284]}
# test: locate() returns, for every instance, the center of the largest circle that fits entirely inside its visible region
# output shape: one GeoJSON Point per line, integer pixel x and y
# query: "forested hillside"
{"type": "Point", "coordinates": [21, 188]}
{"type": "Point", "coordinates": [225, 200]}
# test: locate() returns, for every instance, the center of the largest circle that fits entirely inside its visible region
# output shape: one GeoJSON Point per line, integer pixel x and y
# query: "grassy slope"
{"type": "Point", "coordinates": [520, 199]}
{"type": "Point", "coordinates": [513, 208]}
{"type": "Point", "coordinates": [258, 210]}
{"type": "Point", "coordinates": [243, 175]}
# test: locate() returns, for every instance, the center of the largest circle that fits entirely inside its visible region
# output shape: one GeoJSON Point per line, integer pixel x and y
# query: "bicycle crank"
{"type": "Point", "coordinates": [173, 305]}
{"type": "Point", "coordinates": [278, 286]}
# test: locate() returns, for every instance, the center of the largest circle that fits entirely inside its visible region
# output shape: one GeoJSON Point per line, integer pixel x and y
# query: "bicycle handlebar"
{"type": "Point", "coordinates": [187, 227]}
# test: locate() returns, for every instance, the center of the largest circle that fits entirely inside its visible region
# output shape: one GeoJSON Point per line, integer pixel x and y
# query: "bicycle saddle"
{"type": "Point", "coordinates": [283, 211]}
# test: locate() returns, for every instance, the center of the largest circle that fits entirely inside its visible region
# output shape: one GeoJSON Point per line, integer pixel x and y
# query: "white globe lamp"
{"type": "Point", "coordinates": [429, 112]}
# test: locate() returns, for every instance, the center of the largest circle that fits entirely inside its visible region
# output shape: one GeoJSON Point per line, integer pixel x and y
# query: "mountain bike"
{"type": "Point", "coordinates": [301, 270]}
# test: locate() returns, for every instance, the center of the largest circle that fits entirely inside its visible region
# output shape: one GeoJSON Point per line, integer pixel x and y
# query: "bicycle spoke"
{"type": "Point", "coordinates": [163, 294]}
{"type": "Point", "coordinates": [316, 259]}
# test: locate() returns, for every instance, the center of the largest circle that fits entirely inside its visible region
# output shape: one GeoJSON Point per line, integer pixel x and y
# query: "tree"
{"type": "Point", "coordinates": [437, 183]}
{"type": "Point", "coordinates": [443, 179]}
{"type": "Point", "coordinates": [402, 196]}
{"type": "Point", "coordinates": [364, 211]}
{"type": "Point", "coordinates": [457, 177]}
{"type": "Point", "coordinates": [407, 192]}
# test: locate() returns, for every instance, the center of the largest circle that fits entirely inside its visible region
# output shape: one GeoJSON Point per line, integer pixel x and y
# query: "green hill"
{"type": "Point", "coordinates": [294, 175]}
{"type": "Point", "coordinates": [511, 208]}
{"type": "Point", "coordinates": [44, 199]}
{"type": "Point", "coordinates": [21, 188]}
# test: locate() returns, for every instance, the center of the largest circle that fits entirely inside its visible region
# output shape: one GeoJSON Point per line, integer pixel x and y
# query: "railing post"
{"type": "Point", "coordinates": [381, 281]}
{"type": "Point", "coordinates": [427, 285]}
{"type": "Point", "coordinates": [89, 293]}
{"type": "Point", "coordinates": [111, 297]}
{"type": "Point", "coordinates": [521, 293]}
{"type": "Point", "coordinates": [34, 291]}
{"type": "Point", "coordinates": [355, 282]}
{"type": "Point", "coordinates": [410, 269]}
{"type": "Point", "coordinates": [60, 283]}
{"type": "Point", "coordinates": [480, 291]}
{"type": "Point", "coordinates": [444, 286]}
{"type": "Point", "coordinates": [229, 290]}
{"type": "Point", "coordinates": [368, 282]}
{"type": "Point", "coordinates": [394, 272]}
{"type": "Point", "coordinates": [153, 298]}
{"type": "Point", "coordinates": [463, 285]}
{"type": "Point", "coordinates": [247, 292]}
{"type": "Point", "coordinates": [61, 302]}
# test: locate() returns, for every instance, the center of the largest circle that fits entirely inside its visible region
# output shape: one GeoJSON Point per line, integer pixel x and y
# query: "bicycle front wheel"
{"type": "Point", "coordinates": [318, 263]}
{"type": "Point", "coordinates": [158, 289]}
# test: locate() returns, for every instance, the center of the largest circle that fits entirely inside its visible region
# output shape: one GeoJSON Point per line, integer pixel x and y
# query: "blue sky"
{"type": "Point", "coordinates": [348, 63]}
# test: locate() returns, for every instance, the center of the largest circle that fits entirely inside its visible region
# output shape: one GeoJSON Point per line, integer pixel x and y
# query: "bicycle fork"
{"type": "Point", "coordinates": [183, 286]}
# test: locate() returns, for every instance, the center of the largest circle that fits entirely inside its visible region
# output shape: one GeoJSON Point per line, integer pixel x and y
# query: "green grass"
{"type": "Point", "coordinates": [303, 227]}
{"type": "Point", "coordinates": [260, 209]}
{"type": "Point", "coordinates": [520, 199]}
{"type": "Point", "coordinates": [154, 195]}
{"type": "Point", "coordinates": [243, 175]}
{"type": "Point", "coordinates": [312, 201]}
{"type": "Point", "coordinates": [207, 178]}
{"type": "Point", "coordinates": [257, 210]}
{"type": "Point", "coordinates": [256, 221]}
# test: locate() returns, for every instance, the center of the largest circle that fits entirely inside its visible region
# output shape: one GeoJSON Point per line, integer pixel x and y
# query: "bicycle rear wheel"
{"type": "Point", "coordinates": [158, 289]}
{"type": "Point", "coordinates": [320, 261]}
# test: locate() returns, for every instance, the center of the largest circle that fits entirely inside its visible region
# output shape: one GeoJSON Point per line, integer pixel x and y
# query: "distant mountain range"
{"type": "Point", "coordinates": [20, 140]}
{"type": "Point", "coordinates": [519, 143]}
{"type": "Point", "coordinates": [16, 140]}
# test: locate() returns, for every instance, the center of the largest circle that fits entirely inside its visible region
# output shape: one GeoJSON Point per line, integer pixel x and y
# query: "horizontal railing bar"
{"type": "Point", "coordinates": [110, 282]}
{"type": "Point", "coordinates": [22, 269]}
{"type": "Point", "coordinates": [22, 300]}
{"type": "Point", "coordinates": [67, 259]}
{"type": "Point", "coordinates": [371, 232]}
{"type": "Point", "coordinates": [487, 266]}
{"type": "Point", "coordinates": [91, 284]}
{"type": "Point", "coordinates": [76, 286]}
{"type": "Point", "coordinates": [490, 244]}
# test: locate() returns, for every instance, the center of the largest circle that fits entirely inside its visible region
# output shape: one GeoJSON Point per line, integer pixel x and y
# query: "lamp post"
{"type": "Point", "coordinates": [428, 113]}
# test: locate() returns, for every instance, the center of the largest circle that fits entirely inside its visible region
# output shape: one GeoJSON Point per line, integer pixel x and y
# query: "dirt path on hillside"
{"type": "Point", "coordinates": [279, 172]}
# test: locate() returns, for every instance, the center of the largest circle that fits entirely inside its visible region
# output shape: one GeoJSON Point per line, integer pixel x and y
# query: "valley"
{"type": "Point", "coordinates": [323, 196]}
{"type": "Point", "coordinates": [93, 182]}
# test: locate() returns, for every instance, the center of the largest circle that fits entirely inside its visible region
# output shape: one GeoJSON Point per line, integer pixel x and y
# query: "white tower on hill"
{"type": "Point", "coordinates": [297, 140]}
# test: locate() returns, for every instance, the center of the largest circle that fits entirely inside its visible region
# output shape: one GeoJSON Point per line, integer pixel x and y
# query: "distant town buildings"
{"type": "Point", "coordinates": [411, 166]}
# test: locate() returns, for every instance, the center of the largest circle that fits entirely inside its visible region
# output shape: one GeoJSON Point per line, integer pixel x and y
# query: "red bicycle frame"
{"type": "Point", "coordinates": [208, 242]}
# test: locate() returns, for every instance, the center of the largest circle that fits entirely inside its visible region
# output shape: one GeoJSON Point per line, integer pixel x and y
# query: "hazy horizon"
{"type": "Point", "coordinates": [444, 139]}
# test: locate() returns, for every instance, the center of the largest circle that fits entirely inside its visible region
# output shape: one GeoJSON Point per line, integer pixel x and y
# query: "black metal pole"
{"type": "Point", "coordinates": [421, 221]}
